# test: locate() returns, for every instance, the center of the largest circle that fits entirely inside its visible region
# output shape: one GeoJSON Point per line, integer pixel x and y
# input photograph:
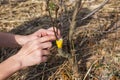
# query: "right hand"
{"type": "Point", "coordinates": [35, 51]}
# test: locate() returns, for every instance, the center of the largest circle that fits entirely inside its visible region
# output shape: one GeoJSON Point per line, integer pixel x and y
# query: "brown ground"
{"type": "Point", "coordinates": [97, 40]}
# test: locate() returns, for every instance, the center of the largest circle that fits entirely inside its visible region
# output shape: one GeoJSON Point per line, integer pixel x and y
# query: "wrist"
{"type": "Point", "coordinates": [21, 40]}
{"type": "Point", "coordinates": [16, 62]}
{"type": "Point", "coordinates": [19, 61]}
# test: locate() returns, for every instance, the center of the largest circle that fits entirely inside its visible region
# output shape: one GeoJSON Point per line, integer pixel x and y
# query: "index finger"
{"type": "Point", "coordinates": [47, 38]}
{"type": "Point", "coordinates": [56, 30]}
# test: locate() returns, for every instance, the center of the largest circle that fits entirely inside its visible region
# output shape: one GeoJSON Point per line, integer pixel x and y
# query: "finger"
{"type": "Point", "coordinates": [43, 32]}
{"type": "Point", "coordinates": [56, 30]}
{"type": "Point", "coordinates": [52, 29]}
{"type": "Point", "coordinates": [35, 46]}
{"type": "Point", "coordinates": [44, 59]}
{"type": "Point", "coordinates": [47, 38]}
{"type": "Point", "coordinates": [49, 32]}
{"type": "Point", "coordinates": [45, 52]}
{"type": "Point", "coordinates": [40, 33]}
{"type": "Point", "coordinates": [45, 45]}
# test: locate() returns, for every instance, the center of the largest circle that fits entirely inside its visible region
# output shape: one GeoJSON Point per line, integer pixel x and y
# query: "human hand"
{"type": "Point", "coordinates": [40, 33]}
{"type": "Point", "coordinates": [45, 32]}
{"type": "Point", "coordinates": [35, 51]}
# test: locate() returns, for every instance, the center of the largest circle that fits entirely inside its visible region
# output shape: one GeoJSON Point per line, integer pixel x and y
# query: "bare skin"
{"type": "Point", "coordinates": [35, 49]}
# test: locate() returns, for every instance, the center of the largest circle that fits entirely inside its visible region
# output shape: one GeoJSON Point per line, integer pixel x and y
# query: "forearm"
{"type": "Point", "coordinates": [9, 67]}
{"type": "Point", "coordinates": [11, 40]}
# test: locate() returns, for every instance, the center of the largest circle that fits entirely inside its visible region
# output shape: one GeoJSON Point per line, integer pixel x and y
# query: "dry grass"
{"type": "Point", "coordinates": [97, 44]}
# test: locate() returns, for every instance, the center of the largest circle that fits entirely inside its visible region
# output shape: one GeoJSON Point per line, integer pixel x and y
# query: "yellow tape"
{"type": "Point", "coordinates": [59, 43]}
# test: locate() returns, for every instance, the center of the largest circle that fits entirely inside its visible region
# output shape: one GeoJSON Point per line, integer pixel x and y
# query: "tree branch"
{"type": "Point", "coordinates": [73, 22]}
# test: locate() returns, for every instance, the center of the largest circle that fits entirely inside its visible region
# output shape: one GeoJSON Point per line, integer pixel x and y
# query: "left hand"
{"type": "Point", "coordinates": [40, 33]}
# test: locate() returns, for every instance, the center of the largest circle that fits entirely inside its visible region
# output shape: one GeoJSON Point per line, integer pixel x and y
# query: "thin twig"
{"type": "Point", "coordinates": [31, 78]}
{"type": "Point", "coordinates": [95, 10]}
{"type": "Point", "coordinates": [52, 20]}
{"type": "Point", "coordinates": [43, 71]}
{"type": "Point", "coordinates": [89, 70]}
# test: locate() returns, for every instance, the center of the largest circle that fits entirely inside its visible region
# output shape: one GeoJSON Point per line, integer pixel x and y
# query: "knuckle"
{"type": "Point", "coordinates": [38, 53]}
{"type": "Point", "coordinates": [35, 42]}
{"type": "Point", "coordinates": [36, 46]}
{"type": "Point", "coordinates": [46, 38]}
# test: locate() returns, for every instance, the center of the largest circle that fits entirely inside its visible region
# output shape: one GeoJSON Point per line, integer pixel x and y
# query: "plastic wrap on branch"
{"type": "Point", "coordinates": [59, 43]}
